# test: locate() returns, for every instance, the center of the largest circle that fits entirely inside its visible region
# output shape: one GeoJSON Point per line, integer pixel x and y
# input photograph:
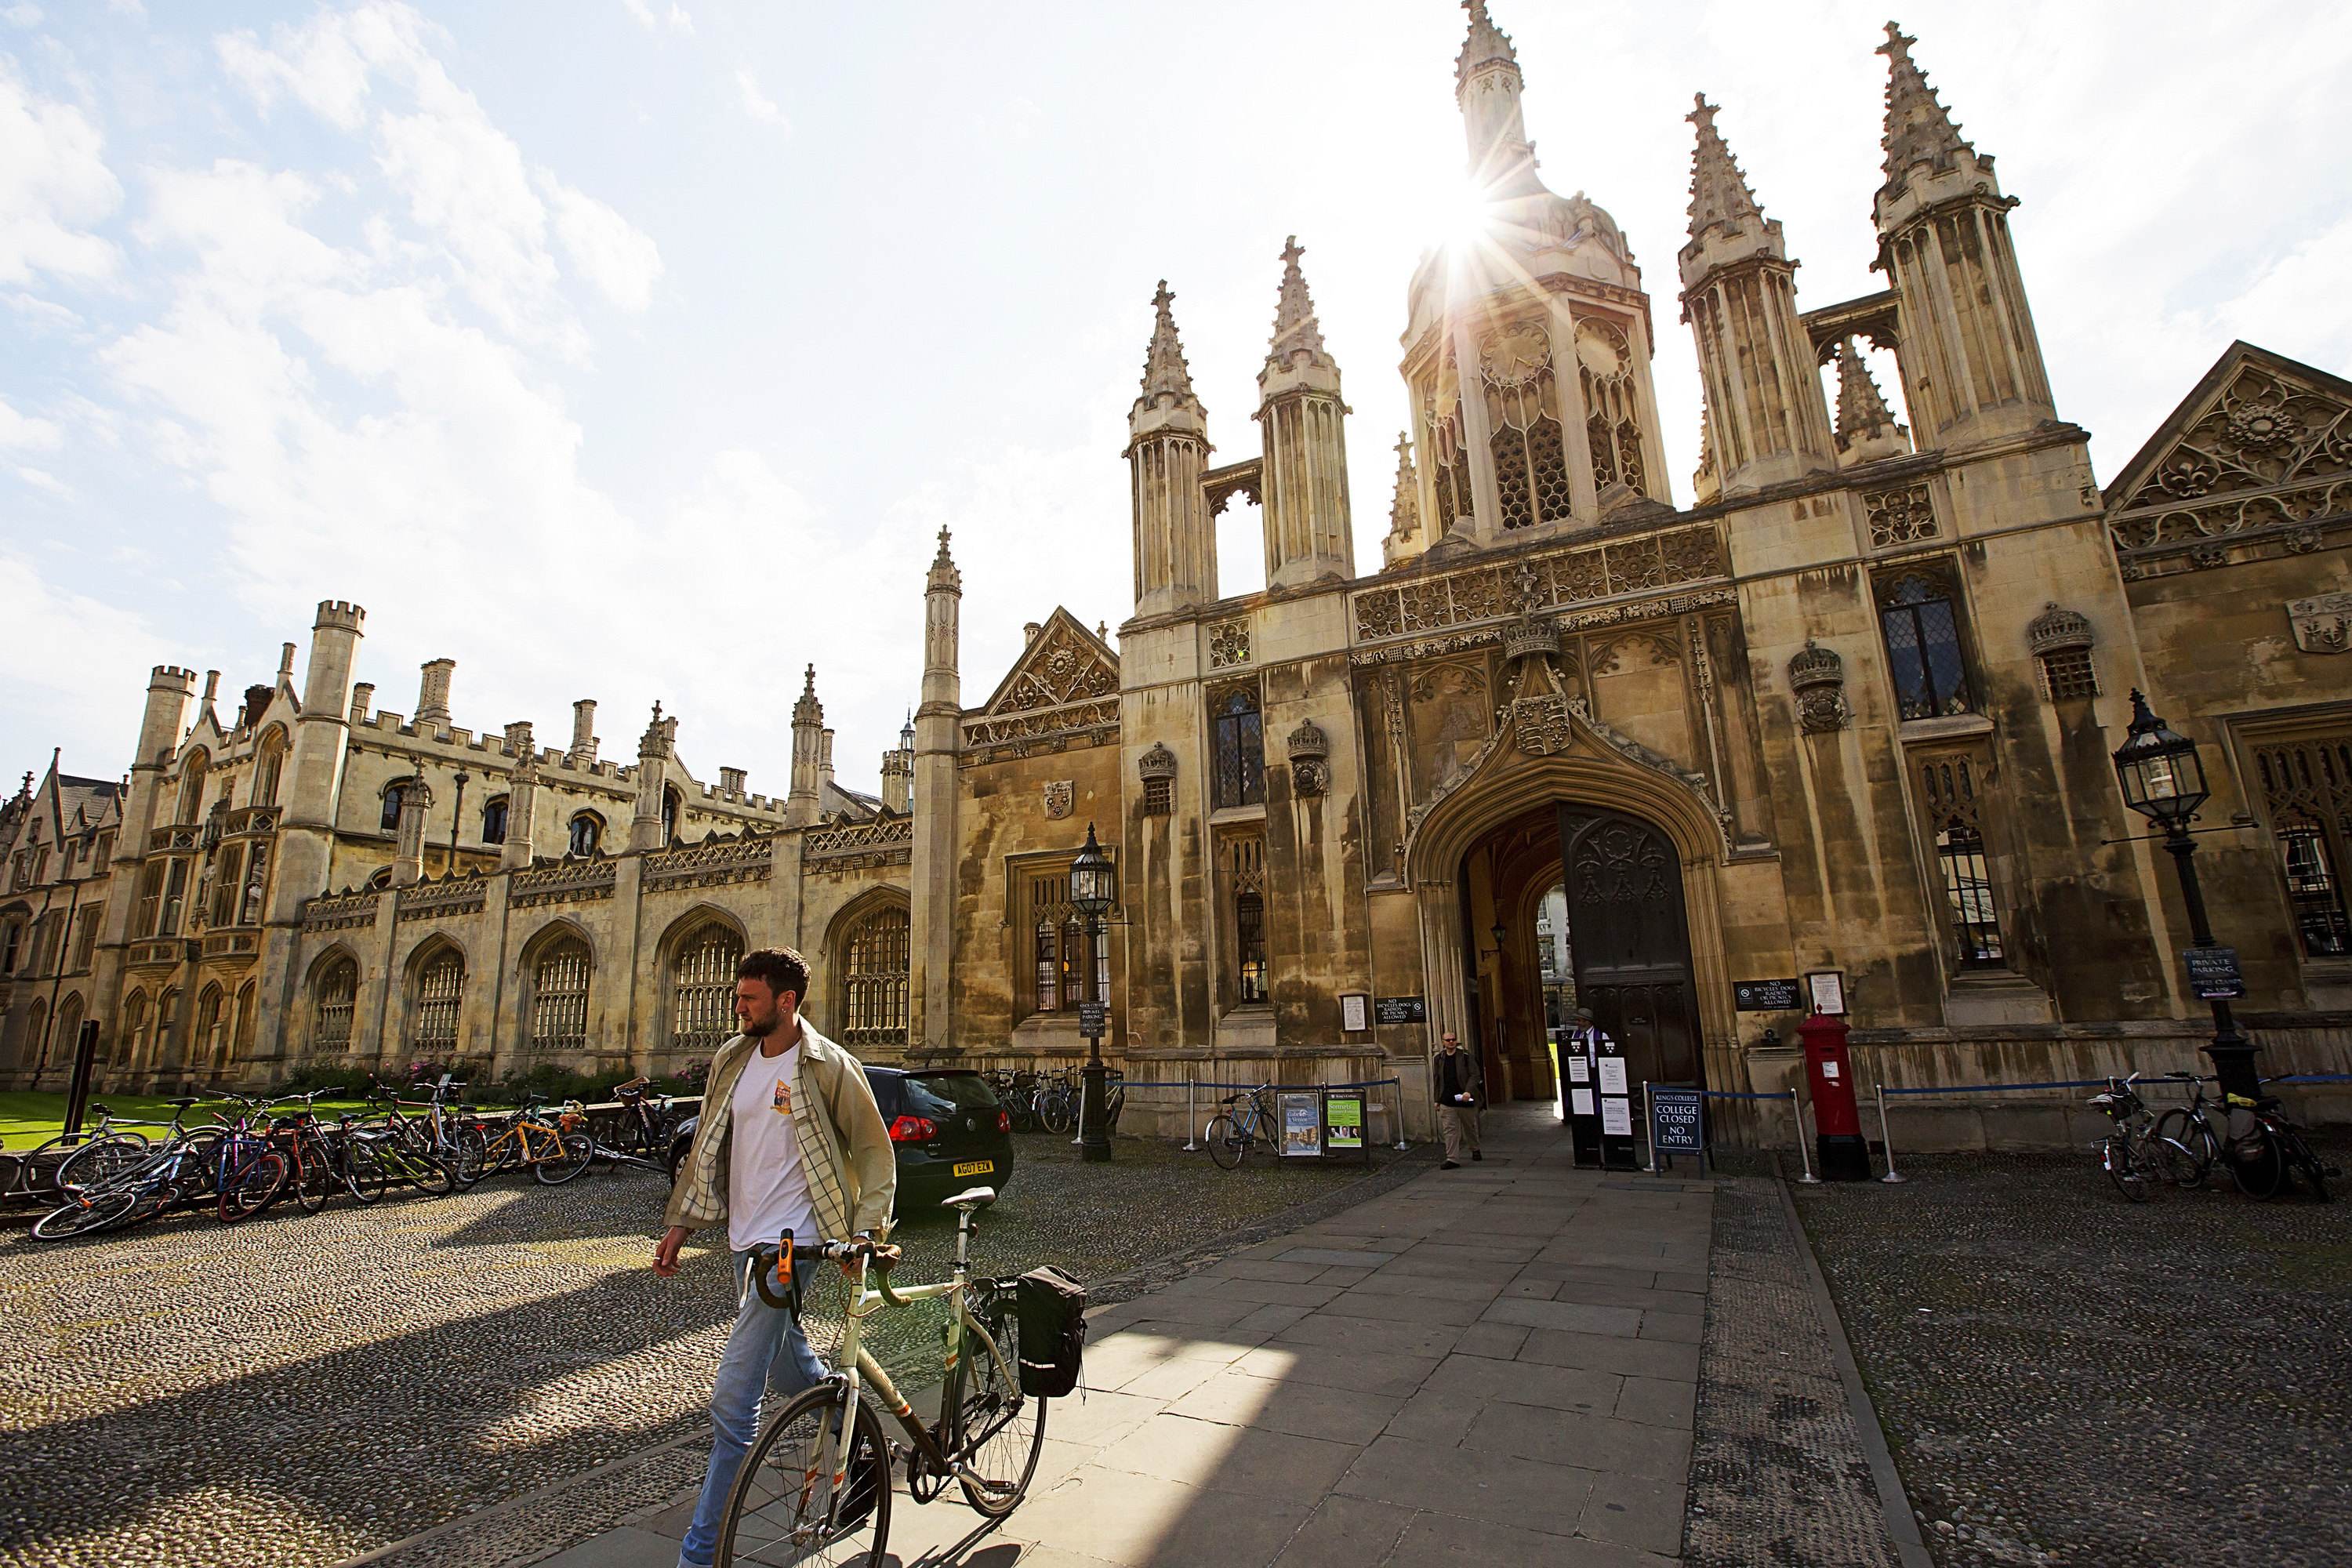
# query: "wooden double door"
{"type": "Point", "coordinates": [1628, 939]}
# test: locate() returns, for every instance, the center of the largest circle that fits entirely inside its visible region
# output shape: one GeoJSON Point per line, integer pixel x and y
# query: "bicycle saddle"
{"type": "Point", "coordinates": [971, 1198]}
{"type": "Point", "coordinates": [184, 1101]}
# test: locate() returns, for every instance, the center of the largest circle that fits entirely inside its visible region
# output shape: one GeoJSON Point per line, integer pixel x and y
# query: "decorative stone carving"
{"type": "Point", "coordinates": [567, 881]}
{"type": "Point", "coordinates": [1310, 751]}
{"type": "Point", "coordinates": [2057, 630]}
{"type": "Point", "coordinates": [1817, 676]}
{"type": "Point", "coordinates": [1903, 516]}
{"type": "Point", "coordinates": [1158, 762]}
{"type": "Point", "coordinates": [1487, 593]}
{"type": "Point", "coordinates": [1061, 798]}
{"type": "Point", "coordinates": [2322, 624]}
{"type": "Point", "coordinates": [1542, 724]}
{"type": "Point", "coordinates": [713, 862]}
{"type": "Point", "coordinates": [1229, 645]}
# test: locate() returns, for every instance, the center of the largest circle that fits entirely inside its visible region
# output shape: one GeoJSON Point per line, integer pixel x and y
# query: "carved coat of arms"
{"type": "Point", "coordinates": [1060, 799]}
{"type": "Point", "coordinates": [2322, 624]}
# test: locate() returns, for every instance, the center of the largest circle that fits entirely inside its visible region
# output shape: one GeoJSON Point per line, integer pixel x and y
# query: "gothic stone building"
{"type": "Point", "coordinates": [1848, 708]}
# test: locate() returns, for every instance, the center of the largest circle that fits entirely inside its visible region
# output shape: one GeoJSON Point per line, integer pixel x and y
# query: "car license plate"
{"type": "Point", "coordinates": [975, 1167]}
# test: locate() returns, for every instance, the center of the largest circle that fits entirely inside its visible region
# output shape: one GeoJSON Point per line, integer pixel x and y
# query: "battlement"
{"type": "Point", "coordinates": [339, 614]}
{"type": "Point", "coordinates": [173, 677]}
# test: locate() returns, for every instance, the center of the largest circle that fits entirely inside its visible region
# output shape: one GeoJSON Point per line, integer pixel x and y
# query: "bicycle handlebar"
{"type": "Point", "coordinates": [779, 1258]}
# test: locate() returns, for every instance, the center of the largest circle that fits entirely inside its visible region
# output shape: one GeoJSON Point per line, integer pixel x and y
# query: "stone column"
{"type": "Point", "coordinates": [932, 873]}
{"type": "Point", "coordinates": [433, 695]}
{"type": "Point", "coordinates": [408, 852]}
{"type": "Point", "coordinates": [654, 751]}
{"type": "Point", "coordinates": [522, 799]}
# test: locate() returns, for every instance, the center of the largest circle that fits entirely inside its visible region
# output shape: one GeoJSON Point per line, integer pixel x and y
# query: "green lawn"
{"type": "Point", "coordinates": [29, 1121]}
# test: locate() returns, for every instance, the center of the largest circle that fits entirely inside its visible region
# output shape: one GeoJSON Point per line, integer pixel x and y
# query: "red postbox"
{"type": "Point", "coordinates": [1837, 1118]}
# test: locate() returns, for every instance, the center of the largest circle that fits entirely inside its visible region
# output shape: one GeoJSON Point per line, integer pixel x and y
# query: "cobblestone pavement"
{"type": "Point", "coordinates": [300, 1390]}
{"type": "Point", "coordinates": [1777, 1472]}
{"type": "Point", "coordinates": [2069, 1378]}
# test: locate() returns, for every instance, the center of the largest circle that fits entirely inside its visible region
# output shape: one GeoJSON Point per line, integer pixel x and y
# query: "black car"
{"type": "Point", "coordinates": [947, 1128]}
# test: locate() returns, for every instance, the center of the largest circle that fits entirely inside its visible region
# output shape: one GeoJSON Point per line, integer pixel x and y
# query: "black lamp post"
{"type": "Point", "coordinates": [457, 821]}
{"type": "Point", "coordinates": [1094, 888]}
{"type": "Point", "coordinates": [2163, 779]}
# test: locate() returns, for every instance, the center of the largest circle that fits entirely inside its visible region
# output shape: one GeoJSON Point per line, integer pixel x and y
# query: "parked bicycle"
{"type": "Point", "coordinates": [641, 1135]}
{"type": "Point", "coordinates": [1246, 1121]}
{"type": "Point", "coordinates": [2136, 1158]}
{"type": "Point", "coordinates": [66, 1160]}
{"type": "Point", "coordinates": [556, 1148]}
{"type": "Point", "coordinates": [815, 1486]}
{"type": "Point", "coordinates": [179, 1171]}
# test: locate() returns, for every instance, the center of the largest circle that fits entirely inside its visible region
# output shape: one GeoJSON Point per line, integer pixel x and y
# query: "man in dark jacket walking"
{"type": "Point", "coordinates": [1454, 1082]}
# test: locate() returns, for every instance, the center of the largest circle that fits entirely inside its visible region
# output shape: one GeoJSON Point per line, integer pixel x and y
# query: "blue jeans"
{"type": "Point", "coordinates": [765, 1350]}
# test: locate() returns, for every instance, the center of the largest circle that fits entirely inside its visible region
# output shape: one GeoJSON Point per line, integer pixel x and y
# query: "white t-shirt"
{"type": "Point", "coordinates": [767, 1190]}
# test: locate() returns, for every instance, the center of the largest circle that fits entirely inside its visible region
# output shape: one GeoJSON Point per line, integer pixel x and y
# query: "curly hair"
{"type": "Point", "coordinates": [781, 968]}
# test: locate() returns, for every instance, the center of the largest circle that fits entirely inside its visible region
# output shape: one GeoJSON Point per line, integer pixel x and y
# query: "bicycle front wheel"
{"type": "Point", "coordinates": [1054, 1114]}
{"type": "Point", "coordinates": [101, 1159]}
{"type": "Point", "coordinates": [102, 1212]}
{"type": "Point", "coordinates": [561, 1165]}
{"type": "Point", "coordinates": [363, 1170]}
{"type": "Point", "coordinates": [2168, 1160]}
{"type": "Point", "coordinates": [247, 1190]}
{"type": "Point", "coordinates": [1003, 1432]}
{"type": "Point", "coordinates": [1225, 1143]}
{"type": "Point", "coordinates": [799, 1498]}
{"type": "Point", "coordinates": [2196, 1141]}
{"type": "Point", "coordinates": [2130, 1176]}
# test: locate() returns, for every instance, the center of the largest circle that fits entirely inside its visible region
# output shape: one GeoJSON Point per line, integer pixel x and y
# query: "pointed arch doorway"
{"type": "Point", "coordinates": [1569, 905]}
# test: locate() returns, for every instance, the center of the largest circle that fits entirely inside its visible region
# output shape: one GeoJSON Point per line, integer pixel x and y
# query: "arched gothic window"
{"type": "Point", "coordinates": [36, 1029]}
{"type": "Point", "coordinates": [1613, 423]}
{"type": "Point", "coordinates": [1240, 749]}
{"type": "Point", "coordinates": [587, 831]}
{"type": "Point", "coordinates": [873, 980]}
{"type": "Point", "coordinates": [130, 1038]}
{"type": "Point", "coordinates": [392, 795]}
{"type": "Point", "coordinates": [440, 991]}
{"type": "Point", "coordinates": [192, 788]}
{"type": "Point", "coordinates": [1442, 440]}
{"type": "Point", "coordinates": [248, 1019]}
{"type": "Point", "coordinates": [559, 997]}
{"type": "Point", "coordinates": [167, 1029]}
{"type": "Point", "coordinates": [68, 1027]}
{"type": "Point", "coordinates": [268, 762]}
{"type": "Point", "coordinates": [338, 990]}
{"type": "Point", "coordinates": [494, 820]}
{"type": "Point", "coordinates": [703, 989]}
{"type": "Point", "coordinates": [1523, 415]}
{"type": "Point", "coordinates": [669, 815]}
{"type": "Point", "coordinates": [212, 1041]}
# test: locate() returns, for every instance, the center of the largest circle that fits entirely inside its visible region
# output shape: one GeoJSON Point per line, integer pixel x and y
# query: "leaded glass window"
{"type": "Point", "coordinates": [2306, 785]}
{"type": "Point", "coordinates": [440, 989]}
{"type": "Point", "coordinates": [1239, 740]}
{"type": "Point", "coordinates": [1951, 789]}
{"type": "Point", "coordinates": [338, 989]}
{"type": "Point", "coordinates": [873, 980]}
{"type": "Point", "coordinates": [702, 996]}
{"type": "Point", "coordinates": [559, 997]}
{"type": "Point", "coordinates": [1923, 649]}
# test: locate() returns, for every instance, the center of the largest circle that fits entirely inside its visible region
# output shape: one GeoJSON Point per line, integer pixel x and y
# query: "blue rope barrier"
{"type": "Point", "coordinates": [1726, 1093]}
{"type": "Point", "coordinates": [1204, 1083]}
{"type": "Point", "coordinates": [1980, 1088]}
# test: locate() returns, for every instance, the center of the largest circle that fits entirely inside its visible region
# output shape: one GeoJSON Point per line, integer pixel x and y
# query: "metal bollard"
{"type": "Point", "coordinates": [1191, 1138]}
{"type": "Point", "coordinates": [1650, 1120]}
{"type": "Point", "coordinates": [1796, 1115]}
{"type": "Point", "coordinates": [1892, 1174]}
{"type": "Point", "coordinates": [1398, 1084]}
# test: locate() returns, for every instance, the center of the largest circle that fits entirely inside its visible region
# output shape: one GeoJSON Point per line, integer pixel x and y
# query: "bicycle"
{"type": "Point", "coordinates": [816, 1481]}
{"type": "Point", "coordinates": [643, 1135]}
{"type": "Point", "coordinates": [1234, 1132]}
{"type": "Point", "coordinates": [2136, 1158]}
{"type": "Point", "coordinates": [2271, 1148]}
{"type": "Point", "coordinates": [179, 1172]}
{"type": "Point", "coordinates": [555, 1150]}
{"type": "Point", "coordinates": [65, 1162]}
{"type": "Point", "coordinates": [454, 1138]}
{"type": "Point", "coordinates": [252, 1169]}
{"type": "Point", "coordinates": [1058, 1102]}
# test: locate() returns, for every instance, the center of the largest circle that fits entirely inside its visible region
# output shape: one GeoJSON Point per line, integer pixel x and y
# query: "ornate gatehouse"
{"type": "Point", "coordinates": [1845, 708]}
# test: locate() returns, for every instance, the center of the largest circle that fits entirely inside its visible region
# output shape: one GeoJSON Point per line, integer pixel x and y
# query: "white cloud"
{"type": "Point", "coordinates": [621, 259]}
{"type": "Point", "coordinates": [24, 433]}
{"type": "Point", "coordinates": [42, 479]}
{"type": "Point", "coordinates": [54, 184]}
{"type": "Point", "coordinates": [22, 15]}
{"type": "Point", "coordinates": [678, 21]}
{"type": "Point", "coordinates": [756, 104]}
{"type": "Point", "coordinates": [63, 646]}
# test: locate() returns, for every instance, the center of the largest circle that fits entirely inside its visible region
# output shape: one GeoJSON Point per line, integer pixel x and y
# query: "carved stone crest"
{"type": "Point", "coordinates": [1542, 724]}
{"type": "Point", "coordinates": [1817, 676]}
{"type": "Point", "coordinates": [1229, 645]}
{"type": "Point", "coordinates": [1310, 749]}
{"type": "Point", "coordinates": [1060, 798]}
{"type": "Point", "coordinates": [2322, 624]}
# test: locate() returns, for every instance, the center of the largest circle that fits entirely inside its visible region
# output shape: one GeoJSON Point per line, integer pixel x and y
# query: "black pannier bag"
{"type": "Point", "coordinates": [1052, 1310]}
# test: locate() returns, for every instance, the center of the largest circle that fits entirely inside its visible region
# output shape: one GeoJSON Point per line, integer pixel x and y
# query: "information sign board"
{"type": "Point", "coordinates": [1768, 995]}
{"type": "Point", "coordinates": [1401, 1010]}
{"type": "Point", "coordinates": [2213, 973]}
{"type": "Point", "coordinates": [1343, 1121]}
{"type": "Point", "coordinates": [1355, 1012]}
{"type": "Point", "coordinates": [1301, 1115]}
{"type": "Point", "coordinates": [1093, 1019]}
{"type": "Point", "coordinates": [1677, 1121]}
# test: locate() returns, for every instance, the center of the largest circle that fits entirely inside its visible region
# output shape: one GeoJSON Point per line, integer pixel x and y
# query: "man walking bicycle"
{"type": "Point", "coordinates": [790, 1139]}
{"type": "Point", "coordinates": [1453, 1082]}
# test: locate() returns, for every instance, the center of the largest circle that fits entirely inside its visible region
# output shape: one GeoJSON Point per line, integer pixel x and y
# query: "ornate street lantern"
{"type": "Point", "coordinates": [2163, 777]}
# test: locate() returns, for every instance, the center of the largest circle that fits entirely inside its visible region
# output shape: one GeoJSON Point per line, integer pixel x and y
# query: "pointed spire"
{"type": "Point", "coordinates": [1866, 429]}
{"type": "Point", "coordinates": [808, 710]}
{"type": "Point", "coordinates": [1918, 129]}
{"type": "Point", "coordinates": [1720, 197]}
{"type": "Point", "coordinates": [1487, 45]}
{"type": "Point", "coordinates": [1296, 329]}
{"type": "Point", "coordinates": [1405, 509]}
{"type": "Point", "coordinates": [1164, 371]}
{"type": "Point", "coordinates": [943, 577]}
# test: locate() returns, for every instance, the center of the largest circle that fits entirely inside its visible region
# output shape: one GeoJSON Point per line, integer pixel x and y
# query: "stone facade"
{"type": "Point", "coordinates": [1850, 709]}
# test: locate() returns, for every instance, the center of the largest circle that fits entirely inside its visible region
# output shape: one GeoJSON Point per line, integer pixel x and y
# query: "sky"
{"type": "Point", "coordinates": [639, 348]}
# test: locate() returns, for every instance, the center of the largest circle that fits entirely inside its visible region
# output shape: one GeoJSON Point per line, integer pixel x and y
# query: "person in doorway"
{"type": "Point", "coordinates": [790, 1139]}
{"type": "Point", "coordinates": [1455, 1081]}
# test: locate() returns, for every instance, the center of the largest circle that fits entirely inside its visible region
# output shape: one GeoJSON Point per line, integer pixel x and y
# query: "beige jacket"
{"type": "Point", "coordinates": [853, 1174]}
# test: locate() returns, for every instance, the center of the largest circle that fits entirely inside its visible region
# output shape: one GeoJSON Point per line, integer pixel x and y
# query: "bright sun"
{"type": "Point", "coordinates": [1471, 219]}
